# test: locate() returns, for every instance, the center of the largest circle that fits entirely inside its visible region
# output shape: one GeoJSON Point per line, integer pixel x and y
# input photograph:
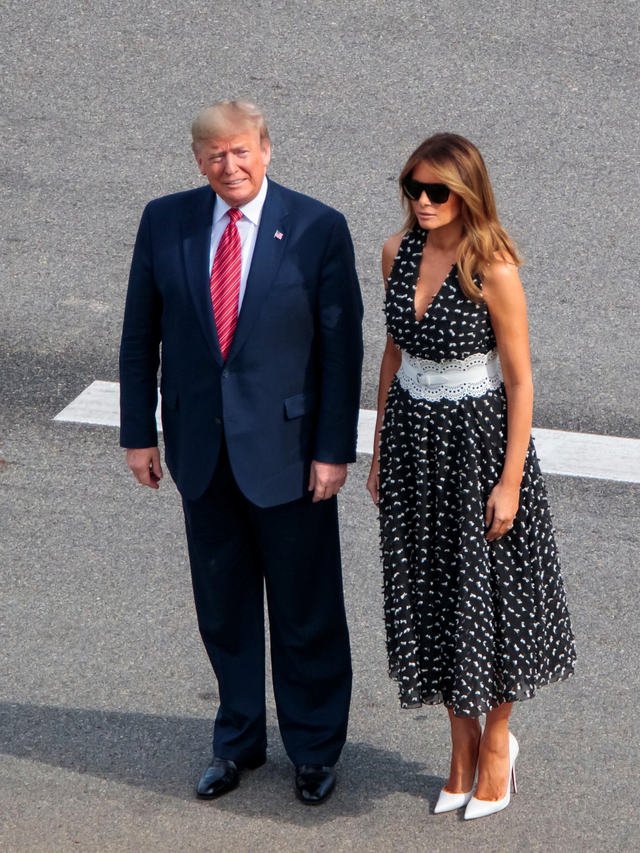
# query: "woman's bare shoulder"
{"type": "Point", "coordinates": [392, 244]}
{"type": "Point", "coordinates": [389, 252]}
{"type": "Point", "coordinates": [501, 282]}
{"type": "Point", "coordinates": [502, 271]}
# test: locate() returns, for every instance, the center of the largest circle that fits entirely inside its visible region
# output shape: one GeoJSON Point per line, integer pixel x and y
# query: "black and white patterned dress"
{"type": "Point", "coordinates": [469, 623]}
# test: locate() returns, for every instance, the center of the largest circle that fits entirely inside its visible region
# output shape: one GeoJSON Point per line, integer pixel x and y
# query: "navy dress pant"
{"type": "Point", "coordinates": [235, 549]}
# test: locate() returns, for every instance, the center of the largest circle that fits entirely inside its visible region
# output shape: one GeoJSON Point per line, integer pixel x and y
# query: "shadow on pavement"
{"type": "Point", "coordinates": [165, 755]}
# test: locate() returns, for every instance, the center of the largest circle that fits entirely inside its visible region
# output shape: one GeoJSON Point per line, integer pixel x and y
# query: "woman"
{"type": "Point", "coordinates": [475, 608]}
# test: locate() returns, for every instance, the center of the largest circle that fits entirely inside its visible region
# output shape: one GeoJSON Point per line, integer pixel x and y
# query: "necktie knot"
{"type": "Point", "coordinates": [234, 214]}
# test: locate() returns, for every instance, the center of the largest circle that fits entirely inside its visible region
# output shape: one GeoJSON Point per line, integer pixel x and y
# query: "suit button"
{"type": "Point", "coordinates": [217, 421]}
{"type": "Point", "coordinates": [225, 373]}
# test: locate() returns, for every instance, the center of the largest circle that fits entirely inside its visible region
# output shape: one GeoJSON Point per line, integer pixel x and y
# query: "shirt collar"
{"type": "Point", "coordinates": [251, 210]}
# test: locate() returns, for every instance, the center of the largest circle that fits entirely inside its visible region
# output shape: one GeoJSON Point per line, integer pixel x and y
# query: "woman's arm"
{"type": "Point", "coordinates": [388, 369]}
{"type": "Point", "coordinates": [504, 295]}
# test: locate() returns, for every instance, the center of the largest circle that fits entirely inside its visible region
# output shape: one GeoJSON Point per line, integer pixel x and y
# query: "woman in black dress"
{"type": "Point", "coordinates": [475, 608]}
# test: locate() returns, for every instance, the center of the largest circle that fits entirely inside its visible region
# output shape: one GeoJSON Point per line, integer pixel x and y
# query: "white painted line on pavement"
{"type": "Point", "coordinates": [572, 454]}
{"type": "Point", "coordinates": [98, 404]}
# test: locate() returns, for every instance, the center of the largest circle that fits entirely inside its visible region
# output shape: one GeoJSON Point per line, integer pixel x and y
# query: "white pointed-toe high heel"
{"type": "Point", "coordinates": [482, 808]}
{"type": "Point", "coordinates": [451, 802]}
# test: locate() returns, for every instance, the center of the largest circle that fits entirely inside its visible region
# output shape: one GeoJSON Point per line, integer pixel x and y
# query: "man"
{"type": "Point", "coordinates": [252, 291]}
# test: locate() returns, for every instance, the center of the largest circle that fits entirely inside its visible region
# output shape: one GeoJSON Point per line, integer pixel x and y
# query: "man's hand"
{"type": "Point", "coordinates": [145, 464]}
{"type": "Point", "coordinates": [326, 480]}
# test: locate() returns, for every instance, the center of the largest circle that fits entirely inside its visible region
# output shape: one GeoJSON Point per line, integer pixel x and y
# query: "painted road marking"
{"type": "Point", "coordinates": [98, 404]}
{"type": "Point", "coordinates": [572, 454]}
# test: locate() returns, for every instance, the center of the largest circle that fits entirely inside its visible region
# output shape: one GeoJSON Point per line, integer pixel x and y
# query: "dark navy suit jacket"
{"type": "Point", "coordinates": [290, 388]}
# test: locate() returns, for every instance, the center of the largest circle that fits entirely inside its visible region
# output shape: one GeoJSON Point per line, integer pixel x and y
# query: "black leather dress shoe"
{"type": "Point", "coordinates": [314, 783]}
{"type": "Point", "coordinates": [222, 776]}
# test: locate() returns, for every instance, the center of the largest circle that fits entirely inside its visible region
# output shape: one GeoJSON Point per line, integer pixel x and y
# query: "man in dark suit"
{"type": "Point", "coordinates": [252, 291]}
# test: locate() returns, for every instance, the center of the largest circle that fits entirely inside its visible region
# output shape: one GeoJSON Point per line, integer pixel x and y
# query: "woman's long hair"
{"type": "Point", "coordinates": [459, 165]}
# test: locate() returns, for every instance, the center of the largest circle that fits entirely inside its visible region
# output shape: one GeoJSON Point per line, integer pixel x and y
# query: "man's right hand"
{"type": "Point", "coordinates": [145, 464]}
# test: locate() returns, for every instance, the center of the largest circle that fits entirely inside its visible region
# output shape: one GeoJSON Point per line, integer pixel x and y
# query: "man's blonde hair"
{"type": "Point", "coordinates": [226, 118]}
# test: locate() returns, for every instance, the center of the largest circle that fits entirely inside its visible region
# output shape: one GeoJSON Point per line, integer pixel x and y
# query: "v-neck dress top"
{"type": "Point", "coordinates": [469, 623]}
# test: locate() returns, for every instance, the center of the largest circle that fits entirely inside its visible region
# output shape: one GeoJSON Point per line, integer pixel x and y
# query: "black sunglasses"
{"type": "Point", "coordinates": [436, 193]}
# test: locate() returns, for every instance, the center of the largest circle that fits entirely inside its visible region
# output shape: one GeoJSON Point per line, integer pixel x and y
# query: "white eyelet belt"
{"type": "Point", "coordinates": [450, 380]}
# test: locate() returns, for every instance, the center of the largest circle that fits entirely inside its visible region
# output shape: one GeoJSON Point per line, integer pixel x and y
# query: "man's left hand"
{"type": "Point", "coordinates": [326, 480]}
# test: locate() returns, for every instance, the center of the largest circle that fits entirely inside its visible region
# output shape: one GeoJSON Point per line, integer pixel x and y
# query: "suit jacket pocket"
{"type": "Point", "coordinates": [301, 404]}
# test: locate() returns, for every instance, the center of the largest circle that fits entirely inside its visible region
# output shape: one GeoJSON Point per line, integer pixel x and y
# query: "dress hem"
{"type": "Point", "coordinates": [521, 695]}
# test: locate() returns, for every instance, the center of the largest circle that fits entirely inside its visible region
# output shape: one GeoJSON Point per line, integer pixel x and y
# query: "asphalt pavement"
{"type": "Point", "coordinates": [106, 696]}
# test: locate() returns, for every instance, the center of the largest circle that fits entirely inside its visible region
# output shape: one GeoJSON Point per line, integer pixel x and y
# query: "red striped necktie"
{"type": "Point", "coordinates": [225, 282]}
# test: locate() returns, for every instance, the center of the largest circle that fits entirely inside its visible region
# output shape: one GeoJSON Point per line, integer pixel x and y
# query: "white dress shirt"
{"type": "Point", "coordinates": [247, 227]}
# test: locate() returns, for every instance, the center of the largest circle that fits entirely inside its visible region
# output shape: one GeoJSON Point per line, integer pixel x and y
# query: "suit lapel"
{"type": "Point", "coordinates": [267, 254]}
{"type": "Point", "coordinates": [196, 242]}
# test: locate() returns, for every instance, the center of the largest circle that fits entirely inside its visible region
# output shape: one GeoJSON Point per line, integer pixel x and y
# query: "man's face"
{"type": "Point", "coordinates": [235, 166]}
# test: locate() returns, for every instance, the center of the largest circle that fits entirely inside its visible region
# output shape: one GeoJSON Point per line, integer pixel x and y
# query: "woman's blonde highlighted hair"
{"type": "Point", "coordinates": [459, 165]}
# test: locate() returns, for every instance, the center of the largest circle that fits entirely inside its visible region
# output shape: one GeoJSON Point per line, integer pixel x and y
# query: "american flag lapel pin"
{"type": "Point", "coordinates": [278, 235]}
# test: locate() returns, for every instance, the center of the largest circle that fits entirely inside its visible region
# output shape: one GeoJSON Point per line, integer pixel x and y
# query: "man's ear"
{"type": "Point", "coordinates": [265, 147]}
{"type": "Point", "coordinates": [196, 153]}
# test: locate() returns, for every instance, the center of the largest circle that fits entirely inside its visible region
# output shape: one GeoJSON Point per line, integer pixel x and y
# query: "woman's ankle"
{"type": "Point", "coordinates": [495, 739]}
{"type": "Point", "coordinates": [464, 759]}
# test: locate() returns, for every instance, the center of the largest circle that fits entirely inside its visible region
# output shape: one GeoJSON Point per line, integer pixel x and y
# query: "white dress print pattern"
{"type": "Point", "coordinates": [469, 623]}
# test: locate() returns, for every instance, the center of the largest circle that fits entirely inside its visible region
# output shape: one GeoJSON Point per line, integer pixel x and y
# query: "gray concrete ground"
{"type": "Point", "coordinates": [106, 697]}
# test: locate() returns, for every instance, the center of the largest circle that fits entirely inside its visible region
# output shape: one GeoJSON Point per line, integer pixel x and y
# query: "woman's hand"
{"type": "Point", "coordinates": [502, 507]}
{"type": "Point", "coordinates": [373, 483]}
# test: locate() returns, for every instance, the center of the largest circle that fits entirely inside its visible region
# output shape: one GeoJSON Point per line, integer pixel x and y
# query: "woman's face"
{"type": "Point", "coordinates": [432, 215]}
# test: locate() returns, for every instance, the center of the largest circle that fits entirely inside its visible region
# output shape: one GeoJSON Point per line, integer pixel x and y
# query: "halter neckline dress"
{"type": "Point", "coordinates": [469, 623]}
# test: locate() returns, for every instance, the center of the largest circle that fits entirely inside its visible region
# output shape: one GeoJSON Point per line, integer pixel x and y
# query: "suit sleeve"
{"type": "Point", "coordinates": [140, 347]}
{"type": "Point", "coordinates": [340, 329]}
